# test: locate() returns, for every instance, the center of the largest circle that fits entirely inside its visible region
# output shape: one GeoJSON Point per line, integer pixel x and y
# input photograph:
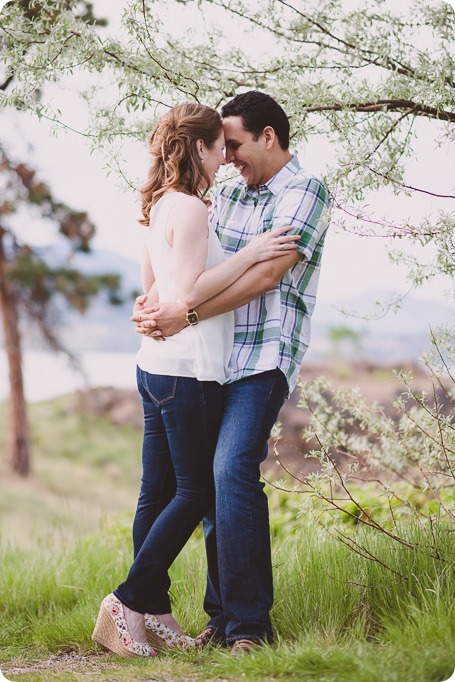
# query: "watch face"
{"type": "Point", "coordinates": [192, 317]}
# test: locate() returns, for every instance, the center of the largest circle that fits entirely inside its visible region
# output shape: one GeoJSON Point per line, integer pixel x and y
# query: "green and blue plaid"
{"type": "Point", "coordinates": [274, 329]}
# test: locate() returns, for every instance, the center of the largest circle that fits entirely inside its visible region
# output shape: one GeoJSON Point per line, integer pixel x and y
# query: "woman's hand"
{"type": "Point", "coordinates": [160, 320]}
{"type": "Point", "coordinates": [272, 244]}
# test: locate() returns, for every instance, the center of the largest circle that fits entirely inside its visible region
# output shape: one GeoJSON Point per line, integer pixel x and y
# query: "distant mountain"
{"type": "Point", "coordinates": [108, 261]}
{"type": "Point", "coordinates": [400, 334]}
{"type": "Point", "coordinates": [397, 336]}
{"type": "Point", "coordinates": [105, 327]}
{"type": "Point", "coordinates": [412, 316]}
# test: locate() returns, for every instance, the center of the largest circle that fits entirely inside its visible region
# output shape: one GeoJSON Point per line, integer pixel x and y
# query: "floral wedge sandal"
{"type": "Point", "coordinates": [111, 631]}
{"type": "Point", "coordinates": [160, 635]}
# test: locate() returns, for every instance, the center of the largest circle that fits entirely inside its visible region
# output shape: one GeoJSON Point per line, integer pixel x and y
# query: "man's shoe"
{"type": "Point", "coordinates": [244, 646]}
{"type": "Point", "coordinates": [210, 635]}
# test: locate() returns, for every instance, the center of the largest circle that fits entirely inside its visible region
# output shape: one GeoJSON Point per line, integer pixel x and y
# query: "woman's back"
{"type": "Point", "coordinates": [203, 350]}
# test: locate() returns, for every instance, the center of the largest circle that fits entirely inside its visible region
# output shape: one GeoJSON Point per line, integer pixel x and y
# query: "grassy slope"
{"type": "Point", "coordinates": [82, 468]}
{"type": "Point", "coordinates": [337, 617]}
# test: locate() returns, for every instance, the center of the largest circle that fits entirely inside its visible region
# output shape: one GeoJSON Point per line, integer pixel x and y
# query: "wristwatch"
{"type": "Point", "coordinates": [192, 317]}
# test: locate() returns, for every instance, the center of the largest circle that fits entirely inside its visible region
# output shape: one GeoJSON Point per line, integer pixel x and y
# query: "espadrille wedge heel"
{"type": "Point", "coordinates": [111, 631]}
{"type": "Point", "coordinates": [161, 636]}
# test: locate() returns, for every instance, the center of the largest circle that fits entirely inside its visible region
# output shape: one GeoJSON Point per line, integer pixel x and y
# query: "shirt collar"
{"type": "Point", "coordinates": [277, 182]}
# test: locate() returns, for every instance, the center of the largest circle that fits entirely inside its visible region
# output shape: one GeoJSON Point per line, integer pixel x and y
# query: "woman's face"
{"type": "Point", "coordinates": [213, 157]}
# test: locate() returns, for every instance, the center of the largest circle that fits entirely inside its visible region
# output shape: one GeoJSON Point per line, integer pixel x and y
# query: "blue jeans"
{"type": "Point", "coordinates": [182, 417]}
{"type": "Point", "coordinates": [239, 592]}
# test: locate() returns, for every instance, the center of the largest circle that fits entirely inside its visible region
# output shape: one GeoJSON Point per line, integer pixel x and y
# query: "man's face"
{"type": "Point", "coordinates": [244, 152]}
{"type": "Point", "coordinates": [214, 157]}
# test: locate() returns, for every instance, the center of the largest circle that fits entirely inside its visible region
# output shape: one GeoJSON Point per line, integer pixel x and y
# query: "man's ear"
{"type": "Point", "coordinates": [269, 136]}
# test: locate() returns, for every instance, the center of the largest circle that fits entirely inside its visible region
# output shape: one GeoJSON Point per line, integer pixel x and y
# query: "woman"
{"type": "Point", "coordinates": [180, 379]}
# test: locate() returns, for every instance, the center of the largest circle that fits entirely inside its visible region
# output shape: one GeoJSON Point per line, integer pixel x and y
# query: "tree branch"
{"type": "Point", "coordinates": [388, 105]}
{"type": "Point", "coordinates": [344, 47]}
{"type": "Point", "coordinates": [167, 72]}
{"type": "Point", "coordinates": [4, 85]}
{"type": "Point", "coordinates": [386, 62]}
{"type": "Point", "coordinates": [388, 133]}
{"type": "Point", "coordinates": [411, 187]}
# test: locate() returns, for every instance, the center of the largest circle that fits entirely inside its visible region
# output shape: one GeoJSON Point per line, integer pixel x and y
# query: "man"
{"type": "Point", "coordinates": [273, 303]}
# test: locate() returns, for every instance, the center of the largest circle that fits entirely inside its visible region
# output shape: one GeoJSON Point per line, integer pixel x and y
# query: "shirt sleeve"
{"type": "Point", "coordinates": [306, 208]}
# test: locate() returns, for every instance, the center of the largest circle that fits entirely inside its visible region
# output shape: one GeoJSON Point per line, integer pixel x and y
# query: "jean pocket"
{"type": "Point", "coordinates": [160, 387]}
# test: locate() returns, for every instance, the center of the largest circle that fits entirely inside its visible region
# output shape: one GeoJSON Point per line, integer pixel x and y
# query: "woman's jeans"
{"type": "Point", "coordinates": [182, 417]}
{"type": "Point", "coordinates": [239, 591]}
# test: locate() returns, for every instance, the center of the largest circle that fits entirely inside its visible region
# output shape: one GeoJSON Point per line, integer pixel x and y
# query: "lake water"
{"type": "Point", "coordinates": [47, 375]}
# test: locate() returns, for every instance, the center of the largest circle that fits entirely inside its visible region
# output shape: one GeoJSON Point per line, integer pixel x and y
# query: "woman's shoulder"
{"type": "Point", "coordinates": [190, 203]}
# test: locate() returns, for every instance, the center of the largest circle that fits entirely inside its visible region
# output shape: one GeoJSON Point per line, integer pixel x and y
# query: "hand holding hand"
{"type": "Point", "coordinates": [160, 320]}
{"type": "Point", "coordinates": [139, 304]}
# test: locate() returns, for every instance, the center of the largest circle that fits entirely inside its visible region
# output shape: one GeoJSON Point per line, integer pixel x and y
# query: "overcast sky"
{"type": "Point", "coordinates": [351, 264]}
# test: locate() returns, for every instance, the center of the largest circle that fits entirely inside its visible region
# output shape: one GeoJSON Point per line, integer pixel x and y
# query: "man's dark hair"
{"type": "Point", "coordinates": [257, 111]}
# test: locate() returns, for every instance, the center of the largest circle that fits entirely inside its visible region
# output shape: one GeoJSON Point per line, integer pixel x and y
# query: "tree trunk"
{"type": "Point", "coordinates": [17, 454]}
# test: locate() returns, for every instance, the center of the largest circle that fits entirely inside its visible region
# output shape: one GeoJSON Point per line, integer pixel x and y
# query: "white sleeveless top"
{"type": "Point", "coordinates": [203, 350]}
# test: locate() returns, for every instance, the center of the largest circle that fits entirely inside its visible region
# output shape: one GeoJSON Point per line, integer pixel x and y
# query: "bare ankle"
{"type": "Point", "coordinates": [169, 620]}
{"type": "Point", "coordinates": [136, 624]}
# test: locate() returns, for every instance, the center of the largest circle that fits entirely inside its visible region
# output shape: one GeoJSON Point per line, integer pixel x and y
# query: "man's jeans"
{"type": "Point", "coordinates": [182, 417]}
{"type": "Point", "coordinates": [239, 591]}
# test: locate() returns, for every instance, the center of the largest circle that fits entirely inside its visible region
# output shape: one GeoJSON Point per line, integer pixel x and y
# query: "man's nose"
{"type": "Point", "coordinates": [229, 156]}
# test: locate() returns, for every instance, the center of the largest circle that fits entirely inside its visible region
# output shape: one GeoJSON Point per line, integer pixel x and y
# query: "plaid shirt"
{"type": "Point", "coordinates": [274, 330]}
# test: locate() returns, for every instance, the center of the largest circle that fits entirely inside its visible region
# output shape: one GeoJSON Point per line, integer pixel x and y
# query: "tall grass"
{"type": "Point", "coordinates": [336, 616]}
{"type": "Point", "coordinates": [65, 542]}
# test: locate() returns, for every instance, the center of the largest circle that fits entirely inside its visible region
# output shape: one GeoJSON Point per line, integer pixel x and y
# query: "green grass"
{"type": "Point", "coordinates": [336, 616]}
{"type": "Point", "coordinates": [82, 468]}
{"type": "Point", "coordinates": [66, 542]}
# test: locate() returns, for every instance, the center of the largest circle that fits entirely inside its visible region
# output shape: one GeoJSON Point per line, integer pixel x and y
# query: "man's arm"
{"type": "Point", "coordinates": [301, 207]}
{"type": "Point", "coordinates": [168, 318]}
{"type": "Point", "coordinates": [257, 280]}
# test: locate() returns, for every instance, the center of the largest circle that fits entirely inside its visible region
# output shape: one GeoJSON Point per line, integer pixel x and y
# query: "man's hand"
{"type": "Point", "coordinates": [159, 320]}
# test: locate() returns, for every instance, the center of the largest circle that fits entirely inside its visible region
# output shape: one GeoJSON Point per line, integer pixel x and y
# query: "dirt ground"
{"type": "Point", "coordinates": [94, 667]}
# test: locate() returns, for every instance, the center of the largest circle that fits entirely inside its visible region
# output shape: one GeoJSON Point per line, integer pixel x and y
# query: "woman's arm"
{"type": "Point", "coordinates": [147, 274]}
{"type": "Point", "coordinates": [168, 318]}
{"type": "Point", "coordinates": [193, 283]}
{"type": "Point", "coordinates": [149, 286]}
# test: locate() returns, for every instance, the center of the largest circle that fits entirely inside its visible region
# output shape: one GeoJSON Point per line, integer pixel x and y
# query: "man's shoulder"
{"type": "Point", "coordinates": [303, 186]}
{"type": "Point", "coordinates": [304, 180]}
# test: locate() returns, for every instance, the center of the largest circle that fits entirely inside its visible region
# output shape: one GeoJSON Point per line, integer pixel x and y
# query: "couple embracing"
{"type": "Point", "coordinates": [230, 286]}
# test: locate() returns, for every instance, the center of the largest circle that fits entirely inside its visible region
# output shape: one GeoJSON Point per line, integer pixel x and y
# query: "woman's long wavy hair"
{"type": "Point", "coordinates": [176, 163]}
